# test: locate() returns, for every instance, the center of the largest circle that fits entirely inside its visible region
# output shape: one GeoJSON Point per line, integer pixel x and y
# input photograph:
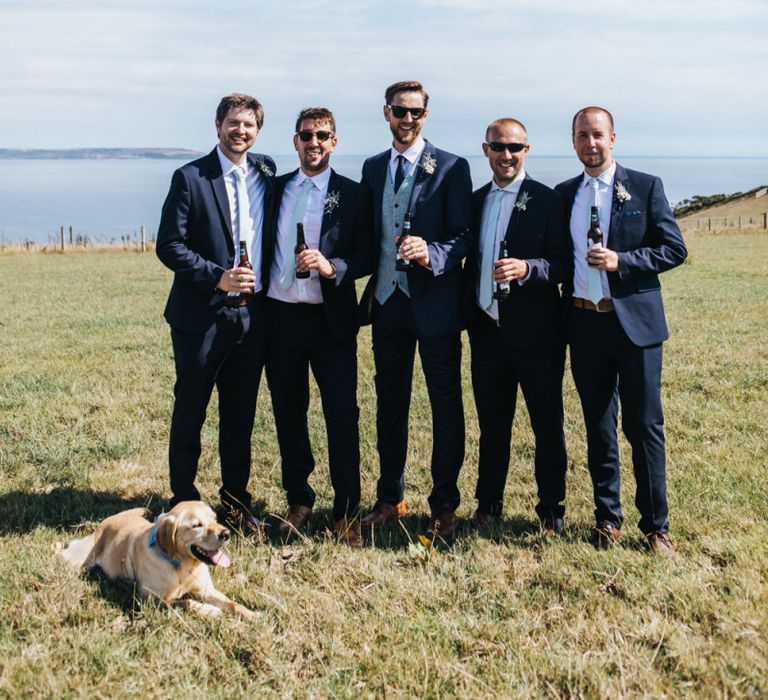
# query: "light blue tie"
{"type": "Point", "coordinates": [594, 278]}
{"type": "Point", "coordinates": [487, 255]}
{"type": "Point", "coordinates": [241, 210]}
{"type": "Point", "coordinates": [288, 273]}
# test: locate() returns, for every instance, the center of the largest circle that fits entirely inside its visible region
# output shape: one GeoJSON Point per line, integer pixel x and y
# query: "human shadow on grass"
{"type": "Point", "coordinates": [66, 508]}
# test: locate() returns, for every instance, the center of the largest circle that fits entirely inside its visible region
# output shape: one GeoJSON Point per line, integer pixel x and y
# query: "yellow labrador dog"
{"type": "Point", "coordinates": [168, 559]}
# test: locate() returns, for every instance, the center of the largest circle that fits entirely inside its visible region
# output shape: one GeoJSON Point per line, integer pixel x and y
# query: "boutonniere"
{"type": "Point", "coordinates": [522, 201]}
{"type": "Point", "coordinates": [428, 163]}
{"type": "Point", "coordinates": [265, 169]}
{"type": "Point", "coordinates": [332, 200]}
{"type": "Point", "coordinates": [621, 193]}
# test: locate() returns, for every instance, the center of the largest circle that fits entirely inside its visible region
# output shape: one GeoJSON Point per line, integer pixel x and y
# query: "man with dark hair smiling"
{"type": "Point", "coordinates": [616, 324]}
{"type": "Point", "coordinates": [215, 308]}
{"type": "Point", "coordinates": [518, 340]}
{"type": "Point", "coordinates": [312, 320]}
{"type": "Point", "coordinates": [415, 182]}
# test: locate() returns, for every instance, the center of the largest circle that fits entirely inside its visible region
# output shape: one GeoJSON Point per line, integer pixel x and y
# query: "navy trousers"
{"type": "Point", "coordinates": [497, 371]}
{"type": "Point", "coordinates": [395, 338]}
{"type": "Point", "coordinates": [229, 356]}
{"type": "Point", "coordinates": [608, 367]}
{"type": "Point", "coordinates": [300, 339]}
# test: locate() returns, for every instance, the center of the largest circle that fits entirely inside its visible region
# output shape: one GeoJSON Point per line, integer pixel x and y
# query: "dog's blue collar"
{"type": "Point", "coordinates": [152, 543]}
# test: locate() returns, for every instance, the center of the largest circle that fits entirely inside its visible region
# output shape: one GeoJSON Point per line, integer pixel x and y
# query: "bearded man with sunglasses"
{"type": "Point", "coordinates": [312, 320]}
{"type": "Point", "coordinates": [419, 307]}
{"type": "Point", "coordinates": [518, 340]}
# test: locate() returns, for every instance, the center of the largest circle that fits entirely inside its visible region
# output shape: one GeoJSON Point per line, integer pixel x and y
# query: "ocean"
{"type": "Point", "coordinates": [108, 199]}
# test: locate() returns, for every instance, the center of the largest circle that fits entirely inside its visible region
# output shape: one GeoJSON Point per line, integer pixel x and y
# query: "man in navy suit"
{"type": "Point", "coordinates": [616, 324]}
{"type": "Point", "coordinates": [215, 307]}
{"type": "Point", "coordinates": [517, 341]}
{"type": "Point", "coordinates": [312, 321]}
{"type": "Point", "coordinates": [418, 307]}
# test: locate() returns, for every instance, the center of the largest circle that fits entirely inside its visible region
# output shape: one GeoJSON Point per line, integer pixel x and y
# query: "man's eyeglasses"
{"type": "Point", "coordinates": [399, 112]}
{"type": "Point", "coordinates": [307, 135]}
{"type": "Point", "coordinates": [499, 147]}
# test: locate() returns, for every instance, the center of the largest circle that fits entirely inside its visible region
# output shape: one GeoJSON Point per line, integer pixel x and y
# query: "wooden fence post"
{"type": "Point", "coordinates": [71, 235]}
{"type": "Point", "coordinates": [143, 239]}
{"type": "Point", "coordinates": [62, 239]}
{"type": "Point", "coordinates": [765, 219]}
{"type": "Point", "coordinates": [709, 223]}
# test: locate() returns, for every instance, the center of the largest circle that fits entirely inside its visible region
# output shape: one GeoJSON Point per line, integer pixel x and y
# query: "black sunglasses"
{"type": "Point", "coordinates": [399, 112]}
{"type": "Point", "coordinates": [307, 135]}
{"type": "Point", "coordinates": [499, 147]}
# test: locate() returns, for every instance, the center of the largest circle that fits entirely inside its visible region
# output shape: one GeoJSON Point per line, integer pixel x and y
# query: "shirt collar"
{"type": "Point", "coordinates": [513, 187]}
{"type": "Point", "coordinates": [606, 177]}
{"type": "Point", "coordinates": [412, 153]}
{"type": "Point", "coordinates": [227, 166]}
{"type": "Point", "coordinates": [320, 180]}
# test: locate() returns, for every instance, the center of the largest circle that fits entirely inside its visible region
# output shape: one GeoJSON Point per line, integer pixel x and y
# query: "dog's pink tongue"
{"type": "Point", "coordinates": [220, 559]}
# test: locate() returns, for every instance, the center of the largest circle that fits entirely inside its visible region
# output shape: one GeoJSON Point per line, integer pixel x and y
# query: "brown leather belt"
{"type": "Point", "coordinates": [602, 306]}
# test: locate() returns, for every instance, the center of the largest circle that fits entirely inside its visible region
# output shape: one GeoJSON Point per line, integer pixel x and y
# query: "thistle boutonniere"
{"type": "Point", "coordinates": [522, 201]}
{"type": "Point", "coordinates": [428, 163]}
{"type": "Point", "coordinates": [332, 200]}
{"type": "Point", "coordinates": [265, 169]}
{"type": "Point", "coordinates": [621, 193]}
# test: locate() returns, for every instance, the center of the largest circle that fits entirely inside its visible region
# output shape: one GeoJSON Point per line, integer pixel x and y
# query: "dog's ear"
{"type": "Point", "coordinates": [165, 535]}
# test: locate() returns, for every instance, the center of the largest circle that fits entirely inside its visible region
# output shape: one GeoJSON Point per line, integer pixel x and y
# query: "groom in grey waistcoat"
{"type": "Point", "coordinates": [420, 307]}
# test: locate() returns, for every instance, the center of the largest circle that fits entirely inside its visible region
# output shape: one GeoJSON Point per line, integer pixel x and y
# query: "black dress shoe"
{"type": "Point", "coordinates": [241, 520]}
{"type": "Point", "coordinates": [552, 527]}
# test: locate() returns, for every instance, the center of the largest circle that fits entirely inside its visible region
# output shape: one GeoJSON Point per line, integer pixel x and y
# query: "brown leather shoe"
{"type": "Point", "coordinates": [552, 527]}
{"type": "Point", "coordinates": [347, 532]}
{"type": "Point", "coordinates": [442, 525]}
{"type": "Point", "coordinates": [382, 512]}
{"type": "Point", "coordinates": [606, 535]}
{"type": "Point", "coordinates": [485, 521]}
{"type": "Point", "coordinates": [295, 519]}
{"type": "Point", "coordinates": [661, 544]}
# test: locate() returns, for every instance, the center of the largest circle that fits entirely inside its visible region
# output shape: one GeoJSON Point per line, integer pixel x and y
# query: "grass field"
{"type": "Point", "coordinates": [85, 399]}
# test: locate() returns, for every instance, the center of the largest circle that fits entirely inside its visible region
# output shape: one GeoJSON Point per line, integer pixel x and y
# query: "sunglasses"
{"type": "Point", "coordinates": [499, 147]}
{"type": "Point", "coordinates": [307, 135]}
{"type": "Point", "coordinates": [399, 112]}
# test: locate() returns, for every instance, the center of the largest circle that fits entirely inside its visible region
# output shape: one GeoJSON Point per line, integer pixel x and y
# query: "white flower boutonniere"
{"type": "Point", "coordinates": [522, 201]}
{"type": "Point", "coordinates": [428, 163]}
{"type": "Point", "coordinates": [332, 200]}
{"type": "Point", "coordinates": [265, 169]}
{"type": "Point", "coordinates": [621, 193]}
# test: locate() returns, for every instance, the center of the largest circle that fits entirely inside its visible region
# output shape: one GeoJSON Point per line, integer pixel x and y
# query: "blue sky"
{"type": "Point", "coordinates": [682, 77]}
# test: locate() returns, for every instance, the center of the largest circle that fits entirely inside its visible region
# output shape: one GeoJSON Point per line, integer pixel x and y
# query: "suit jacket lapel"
{"type": "Point", "coordinates": [220, 194]}
{"type": "Point", "coordinates": [514, 220]}
{"type": "Point", "coordinates": [329, 217]}
{"type": "Point", "coordinates": [421, 174]}
{"type": "Point", "coordinates": [617, 207]}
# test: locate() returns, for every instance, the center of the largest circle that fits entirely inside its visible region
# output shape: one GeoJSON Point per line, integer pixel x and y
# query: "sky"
{"type": "Point", "coordinates": [682, 77]}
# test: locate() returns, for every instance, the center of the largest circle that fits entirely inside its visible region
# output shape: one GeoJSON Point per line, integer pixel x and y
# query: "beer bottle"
{"type": "Point", "coordinates": [401, 264]}
{"type": "Point", "coordinates": [502, 288]}
{"type": "Point", "coordinates": [245, 262]}
{"type": "Point", "coordinates": [301, 244]}
{"type": "Point", "coordinates": [594, 235]}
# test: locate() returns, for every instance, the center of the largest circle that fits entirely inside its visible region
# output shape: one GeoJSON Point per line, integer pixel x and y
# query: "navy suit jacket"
{"type": "Point", "coordinates": [440, 205]}
{"type": "Point", "coordinates": [346, 239]}
{"type": "Point", "coordinates": [532, 314]}
{"type": "Point", "coordinates": [648, 241]}
{"type": "Point", "coordinates": [195, 239]}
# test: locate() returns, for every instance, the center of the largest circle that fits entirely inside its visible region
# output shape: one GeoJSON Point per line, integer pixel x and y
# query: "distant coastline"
{"type": "Point", "coordinates": [97, 153]}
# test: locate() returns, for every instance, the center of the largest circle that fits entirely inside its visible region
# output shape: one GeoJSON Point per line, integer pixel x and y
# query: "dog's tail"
{"type": "Point", "coordinates": [79, 551]}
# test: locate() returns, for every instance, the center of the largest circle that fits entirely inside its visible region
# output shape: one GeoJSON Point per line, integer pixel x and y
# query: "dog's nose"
{"type": "Point", "coordinates": [224, 535]}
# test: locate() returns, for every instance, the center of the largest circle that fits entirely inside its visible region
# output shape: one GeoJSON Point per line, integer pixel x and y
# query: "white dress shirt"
{"type": "Point", "coordinates": [505, 214]}
{"type": "Point", "coordinates": [306, 291]}
{"type": "Point", "coordinates": [580, 225]}
{"type": "Point", "coordinates": [254, 212]}
{"type": "Point", "coordinates": [411, 155]}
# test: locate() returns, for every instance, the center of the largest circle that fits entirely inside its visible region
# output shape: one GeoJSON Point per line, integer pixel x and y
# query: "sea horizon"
{"type": "Point", "coordinates": [108, 199]}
